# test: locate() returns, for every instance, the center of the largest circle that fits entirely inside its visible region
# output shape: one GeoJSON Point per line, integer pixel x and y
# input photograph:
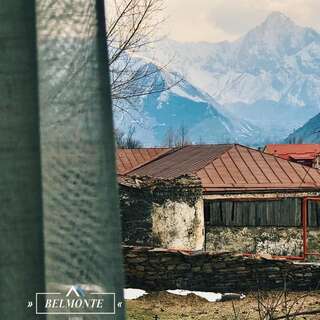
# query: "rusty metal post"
{"type": "Point", "coordinates": [305, 226]}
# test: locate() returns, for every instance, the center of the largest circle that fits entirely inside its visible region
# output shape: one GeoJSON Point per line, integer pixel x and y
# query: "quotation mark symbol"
{"type": "Point", "coordinates": [119, 304]}
{"type": "Point", "coordinates": [30, 304]}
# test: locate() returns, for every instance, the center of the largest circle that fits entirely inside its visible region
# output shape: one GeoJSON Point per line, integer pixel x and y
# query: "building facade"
{"type": "Point", "coordinates": [252, 202]}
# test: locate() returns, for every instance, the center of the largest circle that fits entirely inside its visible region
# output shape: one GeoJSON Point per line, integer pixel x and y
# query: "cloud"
{"type": "Point", "coordinates": [218, 20]}
{"type": "Point", "coordinates": [190, 21]}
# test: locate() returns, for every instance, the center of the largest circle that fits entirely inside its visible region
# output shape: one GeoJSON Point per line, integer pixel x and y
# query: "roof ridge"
{"type": "Point", "coordinates": [161, 155]}
{"type": "Point", "coordinates": [143, 148]}
{"type": "Point", "coordinates": [195, 159]}
{"type": "Point", "coordinates": [215, 157]}
{"type": "Point", "coordinates": [292, 144]}
{"type": "Point", "coordinates": [277, 158]}
{"type": "Point", "coordinates": [270, 154]}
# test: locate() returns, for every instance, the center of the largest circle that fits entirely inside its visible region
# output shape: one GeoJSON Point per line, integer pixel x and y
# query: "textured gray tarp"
{"type": "Point", "coordinates": [82, 224]}
{"type": "Point", "coordinates": [21, 243]}
{"type": "Point", "coordinates": [80, 200]}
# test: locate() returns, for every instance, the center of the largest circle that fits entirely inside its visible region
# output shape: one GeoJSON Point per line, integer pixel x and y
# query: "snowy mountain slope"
{"type": "Point", "coordinates": [309, 133]}
{"type": "Point", "coordinates": [274, 69]}
{"type": "Point", "coordinates": [187, 106]}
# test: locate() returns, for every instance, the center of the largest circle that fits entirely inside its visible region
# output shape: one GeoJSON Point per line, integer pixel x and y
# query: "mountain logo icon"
{"type": "Point", "coordinates": [77, 290]}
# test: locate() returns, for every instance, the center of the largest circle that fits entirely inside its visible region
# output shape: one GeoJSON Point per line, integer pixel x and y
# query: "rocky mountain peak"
{"type": "Point", "coordinates": [277, 19]}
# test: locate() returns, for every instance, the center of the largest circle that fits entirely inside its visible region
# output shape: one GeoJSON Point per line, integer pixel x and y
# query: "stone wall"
{"type": "Point", "coordinates": [164, 213]}
{"type": "Point", "coordinates": [279, 241]}
{"type": "Point", "coordinates": [160, 269]}
{"type": "Point", "coordinates": [261, 240]}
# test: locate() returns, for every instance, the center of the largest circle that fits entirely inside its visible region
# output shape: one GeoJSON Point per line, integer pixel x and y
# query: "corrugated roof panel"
{"type": "Point", "coordinates": [265, 167]}
{"type": "Point", "coordinates": [251, 163]}
{"type": "Point", "coordinates": [204, 177]}
{"type": "Point", "coordinates": [232, 168]}
{"type": "Point", "coordinates": [223, 171]}
{"type": "Point", "coordinates": [287, 151]}
{"type": "Point", "coordinates": [125, 162]}
{"type": "Point", "coordinates": [278, 171]}
{"type": "Point", "coordinates": [186, 160]}
{"type": "Point", "coordinates": [254, 187]}
{"type": "Point", "coordinates": [130, 159]}
{"type": "Point", "coordinates": [247, 173]}
{"type": "Point", "coordinates": [314, 175]}
{"type": "Point", "coordinates": [302, 171]}
{"type": "Point", "coordinates": [288, 168]}
{"type": "Point", "coordinates": [138, 156]}
{"type": "Point", "coordinates": [213, 174]}
{"type": "Point", "coordinates": [305, 156]}
{"type": "Point", "coordinates": [151, 152]}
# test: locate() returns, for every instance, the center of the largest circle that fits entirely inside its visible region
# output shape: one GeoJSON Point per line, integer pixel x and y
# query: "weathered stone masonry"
{"type": "Point", "coordinates": [159, 269]}
{"type": "Point", "coordinates": [280, 241]}
{"type": "Point", "coordinates": [164, 213]}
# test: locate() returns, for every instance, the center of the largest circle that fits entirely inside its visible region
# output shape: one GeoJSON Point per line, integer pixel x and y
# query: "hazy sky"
{"type": "Point", "coordinates": [217, 20]}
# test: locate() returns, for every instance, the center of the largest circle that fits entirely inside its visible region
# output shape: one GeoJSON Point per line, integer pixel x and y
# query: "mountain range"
{"type": "Point", "coordinates": [182, 107]}
{"type": "Point", "coordinates": [254, 90]}
{"type": "Point", "coordinates": [308, 133]}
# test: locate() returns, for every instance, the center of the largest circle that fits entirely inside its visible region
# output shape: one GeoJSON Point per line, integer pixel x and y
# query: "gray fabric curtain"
{"type": "Point", "coordinates": [80, 200]}
{"type": "Point", "coordinates": [21, 243]}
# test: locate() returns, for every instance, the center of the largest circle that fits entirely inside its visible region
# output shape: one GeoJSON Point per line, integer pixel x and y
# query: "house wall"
{"type": "Point", "coordinates": [170, 214]}
{"type": "Point", "coordinates": [264, 226]}
{"type": "Point", "coordinates": [165, 213]}
{"type": "Point", "coordinates": [280, 241]}
{"type": "Point", "coordinates": [178, 225]}
{"type": "Point", "coordinates": [254, 213]}
{"type": "Point", "coordinates": [316, 162]}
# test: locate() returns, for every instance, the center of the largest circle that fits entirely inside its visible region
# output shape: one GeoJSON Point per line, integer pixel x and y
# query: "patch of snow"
{"type": "Point", "coordinates": [274, 65]}
{"type": "Point", "coordinates": [179, 91]}
{"type": "Point", "coordinates": [164, 96]}
{"type": "Point", "coordinates": [225, 124]}
{"type": "Point", "coordinates": [209, 296]}
{"type": "Point", "coordinates": [132, 294]}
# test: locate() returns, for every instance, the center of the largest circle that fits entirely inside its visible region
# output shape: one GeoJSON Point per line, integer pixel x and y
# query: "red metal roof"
{"type": "Point", "coordinates": [186, 160]}
{"type": "Point", "coordinates": [129, 159]}
{"type": "Point", "coordinates": [305, 156]}
{"type": "Point", "coordinates": [294, 151]}
{"type": "Point", "coordinates": [233, 168]}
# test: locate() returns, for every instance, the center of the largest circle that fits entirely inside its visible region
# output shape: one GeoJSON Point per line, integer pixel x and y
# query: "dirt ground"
{"type": "Point", "coordinates": [165, 306]}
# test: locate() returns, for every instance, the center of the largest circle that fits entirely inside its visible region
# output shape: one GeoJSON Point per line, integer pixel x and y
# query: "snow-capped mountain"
{"type": "Point", "coordinates": [270, 76]}
{"type": "Point", "coordinates": [308, 133]}
{"type": "Point", "coordinates": [183, 105]}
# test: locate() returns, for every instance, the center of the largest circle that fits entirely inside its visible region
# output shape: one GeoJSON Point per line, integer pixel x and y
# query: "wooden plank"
{"type": "Point", "coordinates": [298, 213]}
{"type": "Point", "coordinates": [279, 207]}
{"type": "Point", "coordinates": [252, 216]}
{"type": "Point", "coordinates": [318, 214]}
{"type": "Point", "coordinates": [215, 215]}
{"type": "Point", "coordinates": [289, 213]}
{"type": "Point", "coordinates": [281, 213]}
{"type": "Point", "coordinates": [246, 218]}
{"type": "Point", "coordinates": [263, 209]}
{"type": "Point", "coordinates": [312, 214]}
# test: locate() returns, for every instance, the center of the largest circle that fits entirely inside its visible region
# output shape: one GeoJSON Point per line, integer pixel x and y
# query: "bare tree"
{"type": "Point", "coordinates": [177, 138]}
{"type": "Point", "coordinates": [132, 27]}
{"type": "Point", "coordinates": [278, 305]}
{"type": "Point", "coordinates": [127, 140]}
{"type": "Point", "coordinates": [169, 138]}
{"type": "Point", "coordinates": [182, 138]}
